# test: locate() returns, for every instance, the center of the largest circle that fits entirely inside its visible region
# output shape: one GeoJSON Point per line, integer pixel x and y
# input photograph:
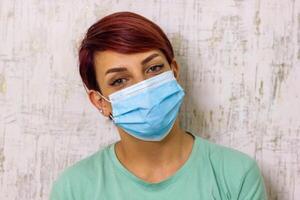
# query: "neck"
{"type": "Point", "coordinates": [148, 156]}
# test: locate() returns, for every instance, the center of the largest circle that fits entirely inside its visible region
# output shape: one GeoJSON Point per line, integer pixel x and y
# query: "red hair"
{"type": "Point", "coordinates": [123, 32]}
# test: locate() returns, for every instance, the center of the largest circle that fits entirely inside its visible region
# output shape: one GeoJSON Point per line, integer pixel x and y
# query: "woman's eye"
{"type": "Point", "coordinates": [119, 81]}
{"type": "Point", "coordinates": [155, 68]}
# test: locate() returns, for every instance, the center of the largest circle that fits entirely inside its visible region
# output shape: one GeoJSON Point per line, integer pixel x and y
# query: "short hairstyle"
{"type": "Point", "coordinates": [122, 32]}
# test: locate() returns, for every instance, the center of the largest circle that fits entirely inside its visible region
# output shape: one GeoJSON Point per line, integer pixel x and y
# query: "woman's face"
{"type": "Point", "coordinates": [116, 71]}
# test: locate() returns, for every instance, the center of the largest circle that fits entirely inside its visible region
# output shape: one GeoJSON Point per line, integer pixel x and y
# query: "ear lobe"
{"type": "Point", "coordinates": [95, 99]}
{"type": "Point", "coordinates": [103, 108]}
{"type": "Point", "coordinates": [175, 74]}
{"type": "Point", "coordinates": [99, 102]}
{"type": "Point", "coordinates": [175, 68]}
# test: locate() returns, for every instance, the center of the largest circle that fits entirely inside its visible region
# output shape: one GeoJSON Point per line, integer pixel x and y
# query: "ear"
{"type": "Point", "coordinates": [99, 102]}
{"type": "Point", "coordinates": [175, 67]}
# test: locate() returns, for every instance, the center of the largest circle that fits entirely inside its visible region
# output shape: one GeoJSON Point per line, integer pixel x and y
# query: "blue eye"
{"type": "Point", "coordinates": [155, 68]}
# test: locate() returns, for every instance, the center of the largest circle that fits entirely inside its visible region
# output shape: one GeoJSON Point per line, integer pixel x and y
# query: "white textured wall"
{"type": "Point", "coordinates": [240, 67]}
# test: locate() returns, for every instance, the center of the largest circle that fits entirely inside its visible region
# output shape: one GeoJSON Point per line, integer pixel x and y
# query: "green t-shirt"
{"type": "Point", "coordinates": [211, 172]}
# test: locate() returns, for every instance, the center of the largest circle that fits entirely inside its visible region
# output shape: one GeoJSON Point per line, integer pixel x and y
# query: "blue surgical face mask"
{"type": "Point", "coordinates": [147, 110]}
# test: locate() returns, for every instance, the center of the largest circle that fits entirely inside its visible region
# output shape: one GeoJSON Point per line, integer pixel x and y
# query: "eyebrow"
{"type": "Point", "coordinates": [116, 69]}
{"type": "Point", "coordinates": [120, 69]}
{"type": "Point", "coordinates": [149, 58]}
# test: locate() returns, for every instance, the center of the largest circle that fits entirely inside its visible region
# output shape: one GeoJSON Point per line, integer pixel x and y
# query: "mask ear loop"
{"type": "Point", "coordinates": [103, 97]}
{"type": "Point", "coordinates": [87, 91]}
{"type": "Point", "coordinates": [110, 116]}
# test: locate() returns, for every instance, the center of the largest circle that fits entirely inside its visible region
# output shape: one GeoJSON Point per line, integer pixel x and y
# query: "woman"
{"type": "Point", "coordinates": [128, 66]}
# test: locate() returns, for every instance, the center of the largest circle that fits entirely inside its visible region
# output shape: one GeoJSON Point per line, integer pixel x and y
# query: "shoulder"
{"type": "Point", "coordinates": [84, 167]}
{"type": "Point", "coordinates": [79, 176]}
{"type": "Point", "coordinates": [220, 155]}
{"type": "Point", "coordinates": [233, 169]}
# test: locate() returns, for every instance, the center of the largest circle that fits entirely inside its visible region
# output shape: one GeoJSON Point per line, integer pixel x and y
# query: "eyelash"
{"type": "Point", "coordinates": [160, 66]}
{"type": "Point", "coordinates": [115, 82]}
